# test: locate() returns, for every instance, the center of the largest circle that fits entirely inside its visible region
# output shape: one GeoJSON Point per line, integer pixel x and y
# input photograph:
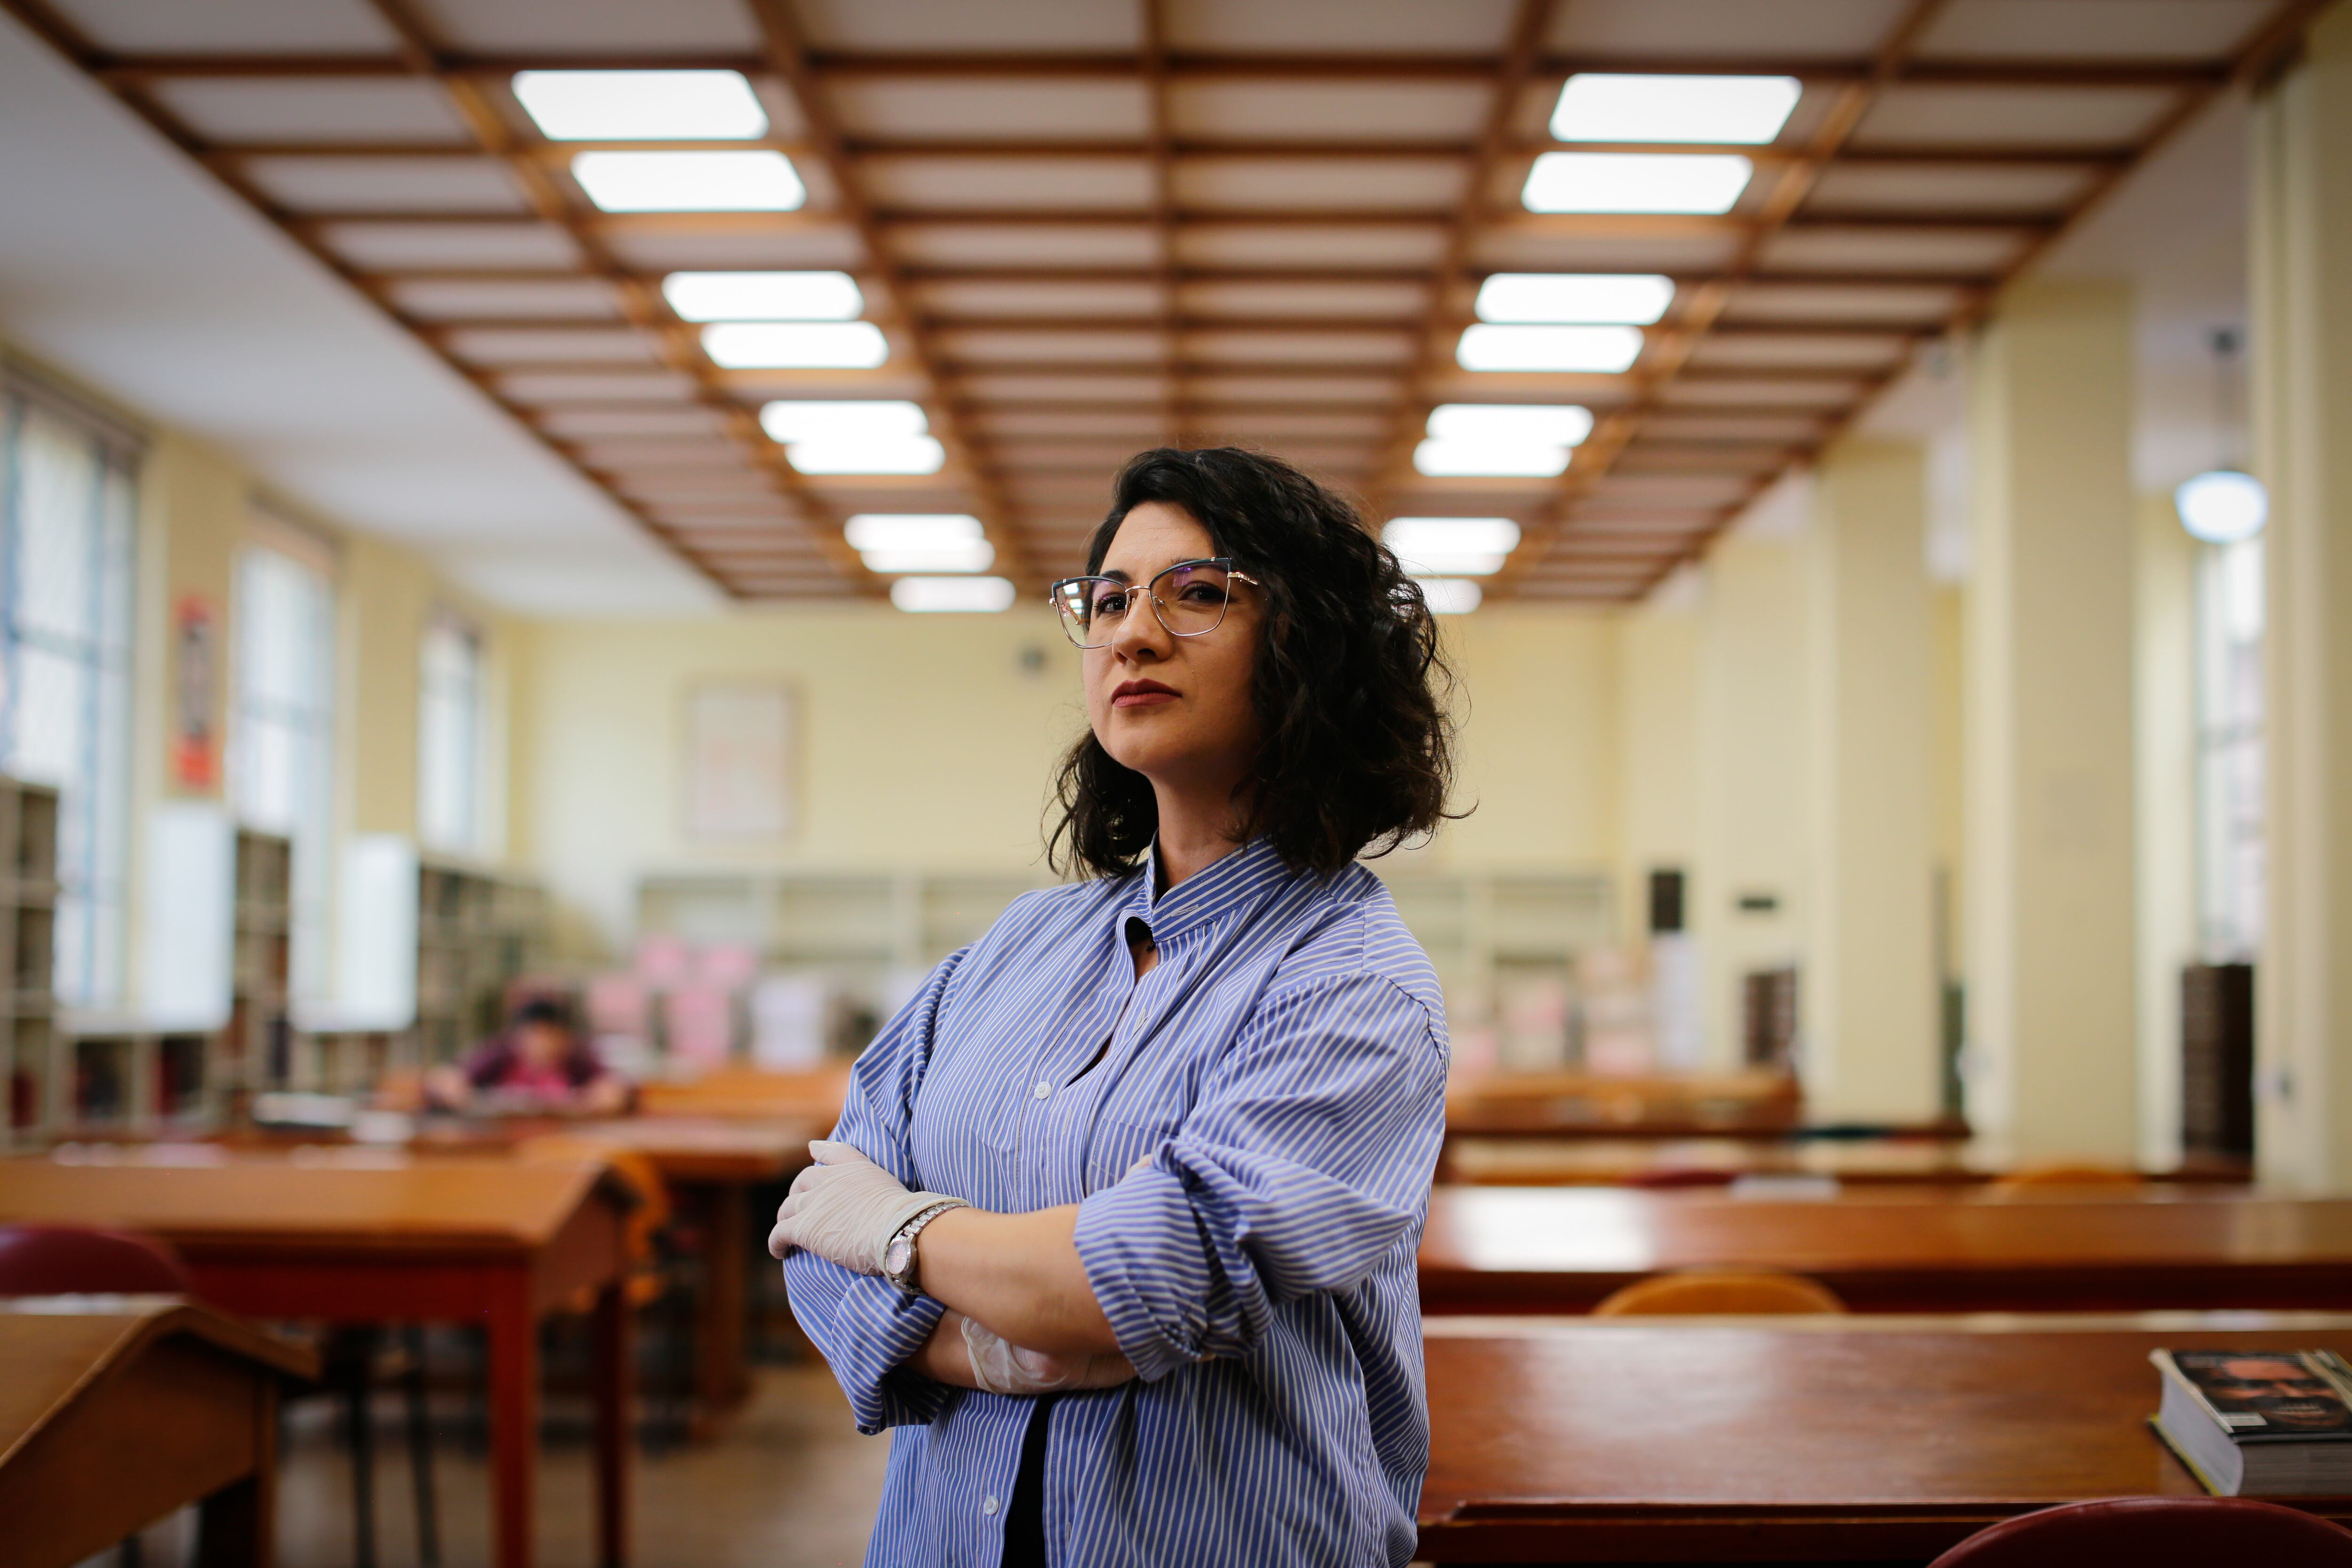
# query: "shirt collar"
{"type": "Point", "coordinates": [1238, 879]}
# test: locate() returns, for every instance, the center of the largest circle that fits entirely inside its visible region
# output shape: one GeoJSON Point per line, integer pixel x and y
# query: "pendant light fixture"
{"type": "Point", "coordinates": [2226, 504]}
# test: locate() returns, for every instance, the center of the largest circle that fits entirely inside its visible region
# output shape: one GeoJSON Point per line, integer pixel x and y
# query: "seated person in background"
{"type": "Point", "coordinates": [538, 1062]}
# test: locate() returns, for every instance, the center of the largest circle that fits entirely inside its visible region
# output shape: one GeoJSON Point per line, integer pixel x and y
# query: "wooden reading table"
{"type": "Point", "coordinates": [1562, 1249]}
{"type": "Point", "coordinates": [428, 1240]}
{"type": "Point", "coordinates": [709, 1164]}
{"type": "Point", "coordinates": [116, 1412]}
{"type": "Point", "coordinates": [1787, 1440]}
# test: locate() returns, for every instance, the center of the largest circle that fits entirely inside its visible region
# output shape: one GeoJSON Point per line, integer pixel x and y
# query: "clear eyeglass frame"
{"type": "Point", "coordinates": [1069, 597]}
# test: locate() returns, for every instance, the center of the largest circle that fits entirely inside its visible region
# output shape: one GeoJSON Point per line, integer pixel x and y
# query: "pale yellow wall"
{"type": "Point", "coordinates": [1869, 992]}
{"type": "Point", "coordinates": [2301, 256]}
{"type": "Point", "coordinates": [1657, 752]}
{"type": "Point", "coordinates": [1538, 712]}
{"type": "Point", "coordinates": [2051, 977]}
{"type": "Point", "coordinates": [2165, 748]}
{"type": "Point", "coordinates": [1749, 807]}
{"type": "Point", "coordinates": [926, 743]}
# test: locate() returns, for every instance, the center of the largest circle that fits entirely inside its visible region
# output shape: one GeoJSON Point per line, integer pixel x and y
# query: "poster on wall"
{"type": "Point", "coordinates": [195, 754]}
{"type": "Point", "coordinates": [740, 754]}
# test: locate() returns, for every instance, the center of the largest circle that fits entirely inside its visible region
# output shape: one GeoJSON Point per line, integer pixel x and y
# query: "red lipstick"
{"type": "Point", "coordinates": [1142, 694]}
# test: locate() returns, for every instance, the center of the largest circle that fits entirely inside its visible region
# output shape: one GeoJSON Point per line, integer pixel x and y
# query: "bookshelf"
{"type": "Point", "coordinates": [36, 1077]}
{"type": "Point", "coordinates": [475, 933]}
{"type": "Point", "coordinates": [255, 1049]}
{"type": "Point", "coordinates": [868, 930]}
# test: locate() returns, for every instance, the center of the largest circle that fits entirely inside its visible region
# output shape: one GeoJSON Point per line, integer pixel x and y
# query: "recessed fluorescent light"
{"type": "Point", "coordinates": [768, 296]}
{"type": "Point", "coordinates": [968, 555]}
{"type": "Point", "coordinates": [1632, 299]}
{"type": "Point", "coordinates": [1451, 546]}
{"type": "Point", "coordinates": [689, 182]}
{"type": "Point", "coordinates": [803, 345]}
{"type": "Point", "coordinates": [1551, 424]}
{"type": "Point", "coordinates": [911, 530]}
{"type": "Point", "coordinates": [866, 418]}
{"type": "Point", "coordinates": [1451, 535]}
{"type": "Point", "coordinates": [1604, 350]}
{"type": "Point", "coordinates": [931, 594]}
{"type": "Point", "coordinates": [1487, 459]}
{"type": "Point", "coordinates": [1450, 595]}
{"type": "Point", "coordinates": [641, 106]}
{"type": "Point", "coordinates": [861, 436]}
{"type": "Point", "coordinates": [1500, 440]}
{"type": "Point", "coordinates": [868, 455]}
{"type": "Point", "coordinates": [1635, 182]}
{"type": "Point", "coordinates": [1596, 107]}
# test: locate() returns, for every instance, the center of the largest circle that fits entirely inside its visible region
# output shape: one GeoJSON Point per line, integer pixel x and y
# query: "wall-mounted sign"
{"type": "Point", "coordinates": [196, 643]}
{"type": "Point", "coordinates": [740, 746]}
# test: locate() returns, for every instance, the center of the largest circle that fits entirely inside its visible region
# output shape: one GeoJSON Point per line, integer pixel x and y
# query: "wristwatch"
{"type": "Point", "coordinates": [898, 1257]}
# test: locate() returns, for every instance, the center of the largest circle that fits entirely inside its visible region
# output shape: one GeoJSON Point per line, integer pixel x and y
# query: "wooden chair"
{"type": "Point", "coordinates": [2055, 1179]}
{"type": "Point", "coordinates": [1721, 1292]}
{"type": "Point", "coordinates": [2156, 1533]}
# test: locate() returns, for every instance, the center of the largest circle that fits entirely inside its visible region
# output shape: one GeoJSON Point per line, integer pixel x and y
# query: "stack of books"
{"type": "Point", "coordinates": [2260, 1423]}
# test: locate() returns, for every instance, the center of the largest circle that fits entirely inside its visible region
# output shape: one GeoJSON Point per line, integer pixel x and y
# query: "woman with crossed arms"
{"type": "Point", "coordinates": [1118, 1228]}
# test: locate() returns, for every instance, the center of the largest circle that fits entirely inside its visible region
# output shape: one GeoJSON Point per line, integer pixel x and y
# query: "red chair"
{"type": "Point", "coordinates": [70, 1260]}
{"type": "Point", "coordinates": [2156, 1533]}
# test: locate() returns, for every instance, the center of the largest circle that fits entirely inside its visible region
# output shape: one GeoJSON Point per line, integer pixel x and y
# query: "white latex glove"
{"type": "Point", "coordinates": [845, 1208]}
{"type": "Point", "coordinates": [1001, 1366]}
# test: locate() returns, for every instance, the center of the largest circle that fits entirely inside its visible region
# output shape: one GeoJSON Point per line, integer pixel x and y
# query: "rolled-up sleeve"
{"type": "Point", "coordinates": [867, 1327]}
{"type": "Point", "coordinates": [1305, 1160]}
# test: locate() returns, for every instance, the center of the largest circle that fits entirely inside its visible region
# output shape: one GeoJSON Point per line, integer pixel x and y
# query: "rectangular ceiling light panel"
{"type": "Point", "coordinates": [862, 437]}
{"type": "Point", "coordinates": [796, 345]}
{"type": "Point", "coordinates": [1450, 595]}
{"type": "Point", "coordinates": [760, 181]}
{"type": "Point", "coordinates": [1451, 546]}
{"type": "Point", "coordinates": [1626, 299]}
{"type": "Point", "coordinates": [1520, 440]}
{"type": "Point", "coordinates": [1605, 350]}
{"type": "Point", "coordinates": [763, 296]}
{"type": "Point", "coordinates": [641, 106]}
{"type": "Point", "coordinates": [1704, 182]}
{"type": "Point", "coordinates": [973, 555]}
{"type": "Point", "coordinates": [952, 595]}
{"type": "Point", "coordinates": [1602, 107]}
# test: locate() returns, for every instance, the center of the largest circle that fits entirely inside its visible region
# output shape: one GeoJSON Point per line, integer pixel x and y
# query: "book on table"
{"type": "Point", "coordinates": [2260, 1423]}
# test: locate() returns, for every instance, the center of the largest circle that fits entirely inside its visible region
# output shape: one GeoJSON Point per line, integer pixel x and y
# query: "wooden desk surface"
{"type": "Point", "coordinates": [1562, 1249]}
{"type": "Point", "coordinates": [473, 1206]}
{"type": "Point", "coordinates": [746, 1092]}
{"type": "Point", "coordinates": [1755, 1440]}
{"type": "Point", "coordinates": [109, 1419]}
{"type": "Point", "coordinates": [1541, 1162]}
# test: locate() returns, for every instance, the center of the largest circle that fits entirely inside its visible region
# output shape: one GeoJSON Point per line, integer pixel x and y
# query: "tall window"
{"type": "Point", "coordinates": [449, 737]}
{"type": "Point", "coordinates": [2231, 877]}
{"type": "Point", "coordinates": [66, 505]}
{"type": "Point", "coordinates": [282, 733]}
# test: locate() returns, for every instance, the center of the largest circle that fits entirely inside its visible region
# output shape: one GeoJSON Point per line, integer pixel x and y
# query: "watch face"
{"type": "Point", "coordinates": [901, 1253]}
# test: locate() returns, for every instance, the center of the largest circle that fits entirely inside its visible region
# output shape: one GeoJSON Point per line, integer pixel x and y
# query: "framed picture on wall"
{"type": "Point", "coordinates": [743, 746]}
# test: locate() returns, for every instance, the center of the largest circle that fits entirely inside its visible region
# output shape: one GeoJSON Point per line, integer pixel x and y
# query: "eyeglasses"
{"type": "Point", "coordinates": [1190, 598]}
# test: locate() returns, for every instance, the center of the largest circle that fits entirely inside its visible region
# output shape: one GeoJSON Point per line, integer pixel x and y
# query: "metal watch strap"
{"type": "Point", "coordinates": [913, 1228]}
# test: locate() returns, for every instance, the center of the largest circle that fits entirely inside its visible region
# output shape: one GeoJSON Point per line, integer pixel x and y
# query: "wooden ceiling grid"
{"type": "Point", "coordinates": [1089, 229]}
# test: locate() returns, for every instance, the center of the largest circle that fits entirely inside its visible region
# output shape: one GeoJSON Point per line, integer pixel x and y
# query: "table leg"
{"type": "Point", "coordinates": [236, 1527]}
{"type": "Point", "coordinates": [721, 1377]}
{"type": "Point", "coordinates": [611, 1373]}
{"type": "Point", "coordinates": [514, 1419]}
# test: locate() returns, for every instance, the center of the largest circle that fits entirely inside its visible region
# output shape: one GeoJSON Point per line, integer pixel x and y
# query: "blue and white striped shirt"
{"type": "Point", "coordinates": [1280, 1074]}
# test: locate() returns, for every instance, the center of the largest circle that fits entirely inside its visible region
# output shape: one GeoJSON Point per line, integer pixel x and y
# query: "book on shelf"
{"type": "Point", "coordinates": [2259, 1422]}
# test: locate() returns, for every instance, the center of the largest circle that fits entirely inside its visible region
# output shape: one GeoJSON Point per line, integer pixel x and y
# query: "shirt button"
{"type": "Point", "coordinates": [1043, 1090]}
{"type": "Point", "coordinates": [988, 1504]}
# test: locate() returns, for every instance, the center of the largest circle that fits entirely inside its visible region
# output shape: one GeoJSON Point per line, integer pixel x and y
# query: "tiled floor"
{"type": "Point", "coordinates": [789, 1484]}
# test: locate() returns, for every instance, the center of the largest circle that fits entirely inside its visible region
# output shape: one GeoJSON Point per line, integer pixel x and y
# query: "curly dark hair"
{"type": "Point", "coordinates": [1351, 692]}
